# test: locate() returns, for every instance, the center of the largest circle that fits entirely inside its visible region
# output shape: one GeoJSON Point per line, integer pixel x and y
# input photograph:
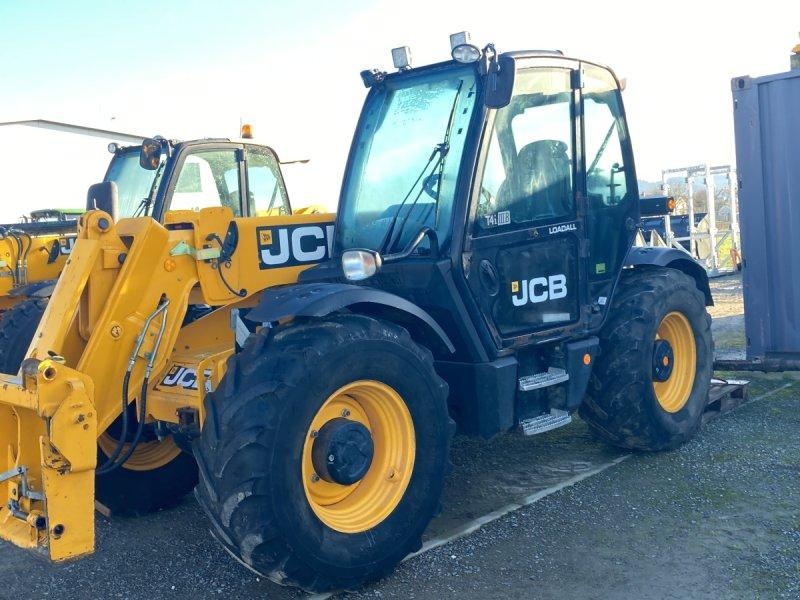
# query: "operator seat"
{"type": "Point", "coordinates": [538, 183]}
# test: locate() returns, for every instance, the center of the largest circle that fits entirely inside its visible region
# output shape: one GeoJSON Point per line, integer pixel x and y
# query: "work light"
{"type": "Point", "coordinates": [462, 49]}
{"type": "Point", "coordinates": [401, 57]}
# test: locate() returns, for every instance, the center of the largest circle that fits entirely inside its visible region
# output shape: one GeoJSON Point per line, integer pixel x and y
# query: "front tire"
{"type": "Point", "coordinates": [17, 327]}
{"type": "Point", "coordinates": [158, 475]}
{"type": "Point", "coordinates": [649, 386]}
{"type": "Point", "coordinates": [272, 499]}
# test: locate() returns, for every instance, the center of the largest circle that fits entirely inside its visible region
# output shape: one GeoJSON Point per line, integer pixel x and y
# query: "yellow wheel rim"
{"type": "Point", "coordinates": [366, 503]}
{"type": "Point", "coordinates": [147, 455]}
{"type": "Point", "coordinates": [673, 393]}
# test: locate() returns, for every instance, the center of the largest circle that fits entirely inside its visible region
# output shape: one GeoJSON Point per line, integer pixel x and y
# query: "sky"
{"type": "Point", "coordinates": [196, 69]}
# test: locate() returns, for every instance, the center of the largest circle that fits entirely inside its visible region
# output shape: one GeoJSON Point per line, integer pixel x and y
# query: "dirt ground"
{"type": "Point", "coordinates": [714, 519]}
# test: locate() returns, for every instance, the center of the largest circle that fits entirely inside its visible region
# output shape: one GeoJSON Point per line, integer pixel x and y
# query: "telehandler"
{"type": "Point", "coordinates": [194, 173]}
{"type": "Point", "coordinates": [33, 252]}
{"type": "Point", "coordinates": [480, 274]}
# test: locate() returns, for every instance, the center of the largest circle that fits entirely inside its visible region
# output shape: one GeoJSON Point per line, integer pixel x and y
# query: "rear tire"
{"type": "Point", "coordinates": [624, 404]}
{"type": "Point", "coordinates": [255, 483]}
{"type": "Point", "coordinates": [124, 491]}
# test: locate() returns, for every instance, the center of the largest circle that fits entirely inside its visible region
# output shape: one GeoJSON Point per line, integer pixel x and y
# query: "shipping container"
{"type": "Point", "coordinates": [767, 125]}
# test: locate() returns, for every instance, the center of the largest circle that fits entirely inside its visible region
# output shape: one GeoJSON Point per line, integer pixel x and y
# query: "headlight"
{"type": "Point", "coordinates": [466, 53]}
{"type": "Point", "coordinates": [360, 264]}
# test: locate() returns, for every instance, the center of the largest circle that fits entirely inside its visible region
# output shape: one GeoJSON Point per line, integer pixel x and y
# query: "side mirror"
{"type": "Point", "coordinates": [360, 264]}
{"type": "Point", "coordinates": [499, 81]}
{"type": "Point", "coordinates": [150, 154]}
{"type": "Point", "coordinates": [104, 196]}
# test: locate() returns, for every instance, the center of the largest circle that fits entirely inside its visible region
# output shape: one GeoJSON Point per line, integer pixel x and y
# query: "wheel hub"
{"type": "Point", "coordinates": [663, 360]}
{"type": "Point", "coordinates": [342, 451]}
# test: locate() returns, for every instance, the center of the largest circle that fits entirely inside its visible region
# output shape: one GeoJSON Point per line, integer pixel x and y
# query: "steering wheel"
{"type": "Point", "coordinates": [431, 185]}
{"type": "Point", "coordinates": [233, 197]}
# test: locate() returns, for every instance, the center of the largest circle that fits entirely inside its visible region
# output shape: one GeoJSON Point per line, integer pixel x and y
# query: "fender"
{"type": "Point", "coordinates": [320, 299]}
{"type": "Point", "coordinates": [674, 259]}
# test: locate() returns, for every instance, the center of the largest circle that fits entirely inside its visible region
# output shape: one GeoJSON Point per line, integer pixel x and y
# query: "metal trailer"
{"type": "Point", "coordinates": [766, 114]}
{"type": "Point", "coordinates": [716, 236]}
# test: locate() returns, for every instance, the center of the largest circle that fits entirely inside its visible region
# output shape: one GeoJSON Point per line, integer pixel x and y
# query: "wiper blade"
{"type": "Point", "coordinates": [385, 242]}
{"type": "Point", "coordinates": [441, 150]}
{"type": "Point", "coordinates": [602, 148]}
{"type": "Point", "coordinates": [143, 207]}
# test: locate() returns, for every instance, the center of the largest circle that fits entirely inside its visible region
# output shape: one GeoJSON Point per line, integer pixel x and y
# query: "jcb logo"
{"type": "Point", "coordinates": [65, 245]}
{"type": "Point", "coordinates": [293, 245]}
{"type": "Point", "coordinates": [538, 289]}
{"type": "Point", "coordinates": [185, 377]}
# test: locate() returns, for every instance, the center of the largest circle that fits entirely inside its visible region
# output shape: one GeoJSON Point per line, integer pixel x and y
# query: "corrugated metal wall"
{"type": "Point", "coordinates": [767, 125]}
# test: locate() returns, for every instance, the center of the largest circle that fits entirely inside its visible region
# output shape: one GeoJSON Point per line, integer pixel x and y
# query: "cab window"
{"type": "Point", "coordinates": [605, 166]}
{"type": "Point", "coordinates": [265, 187]}
{"type": "Point", "coordinates": [610, 181]}
{"type": "Point", "coordinates": [208, 178]}
{"type": "Point", "coordinates": [527, 179]}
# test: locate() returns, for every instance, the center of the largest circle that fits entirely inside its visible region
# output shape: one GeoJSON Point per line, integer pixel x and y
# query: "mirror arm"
{"type": "Point", "coordinates": [414, 243]}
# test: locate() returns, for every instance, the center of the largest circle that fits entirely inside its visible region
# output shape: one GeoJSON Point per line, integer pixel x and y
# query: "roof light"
{"type": "Point", "coordinates": [462, 49]}
{"type": "Point", "coordinates": [113, 147]}
{"type": "Point", "coordinates": [372, 77]}
{"type": "Point", "coordinates": [247, 131]}
{"type": "Point", "coordinates": [401, 57]}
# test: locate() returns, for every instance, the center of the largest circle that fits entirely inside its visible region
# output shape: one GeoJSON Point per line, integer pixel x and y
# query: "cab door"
{"type": "Point", "coordinates": [206, 175]}
{"type": "Point", "coordinates": [612, 195]}
{"type": "Point", "coordinates": [266, 190]}
{"type": "Point", "coordinates": [523, 257]}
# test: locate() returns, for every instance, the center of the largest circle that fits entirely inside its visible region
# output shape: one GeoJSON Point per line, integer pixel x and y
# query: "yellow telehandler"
{"type": "Point", "coordinates": [193, 173]}
{"type": "Point", "coordinates": [480, 275]}
{"type": "Point", "coordinates": [33, 252]}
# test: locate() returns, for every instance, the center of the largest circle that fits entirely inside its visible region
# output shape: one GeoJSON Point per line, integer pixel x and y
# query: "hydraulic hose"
{"type": "Point", "coordinates": [139, 428]}
{"type": "Point", "coordinates": [113, 462]}
{"type": "Point", "coordinates": [108, 466]}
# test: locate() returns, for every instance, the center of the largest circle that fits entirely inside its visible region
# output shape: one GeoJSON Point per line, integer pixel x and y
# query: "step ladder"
{"type": "Point", "coordinates": [555, 418]}
{"type": "Point", "coordinates": [552, 376]}
{"type": "Point", "coordinates": [539, 424]}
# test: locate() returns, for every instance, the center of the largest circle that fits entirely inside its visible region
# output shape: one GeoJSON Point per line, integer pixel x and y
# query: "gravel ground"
{"type": "Point", "coordinates": [728, 315]}
{"type": "Point", "coordinates": [717, 518]}
{"type": "Point", "coordinates": [187, 563]}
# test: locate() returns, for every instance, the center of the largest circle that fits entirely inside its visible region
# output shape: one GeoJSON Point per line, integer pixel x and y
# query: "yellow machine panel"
{"type": "Point", "coordinates": [26, 258]}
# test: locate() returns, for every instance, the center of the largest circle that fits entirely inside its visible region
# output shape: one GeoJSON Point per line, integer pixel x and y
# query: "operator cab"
{"type": "Point", "coordinates": [513, 214]}
{"type": "Point", "coordinates": [163, 175]}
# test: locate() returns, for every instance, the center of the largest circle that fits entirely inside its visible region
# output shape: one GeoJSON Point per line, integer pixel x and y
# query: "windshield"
{"type": "Point", "coordinates": [133, 182]}
{"type": "Point", "coordinates": [406, 159]}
